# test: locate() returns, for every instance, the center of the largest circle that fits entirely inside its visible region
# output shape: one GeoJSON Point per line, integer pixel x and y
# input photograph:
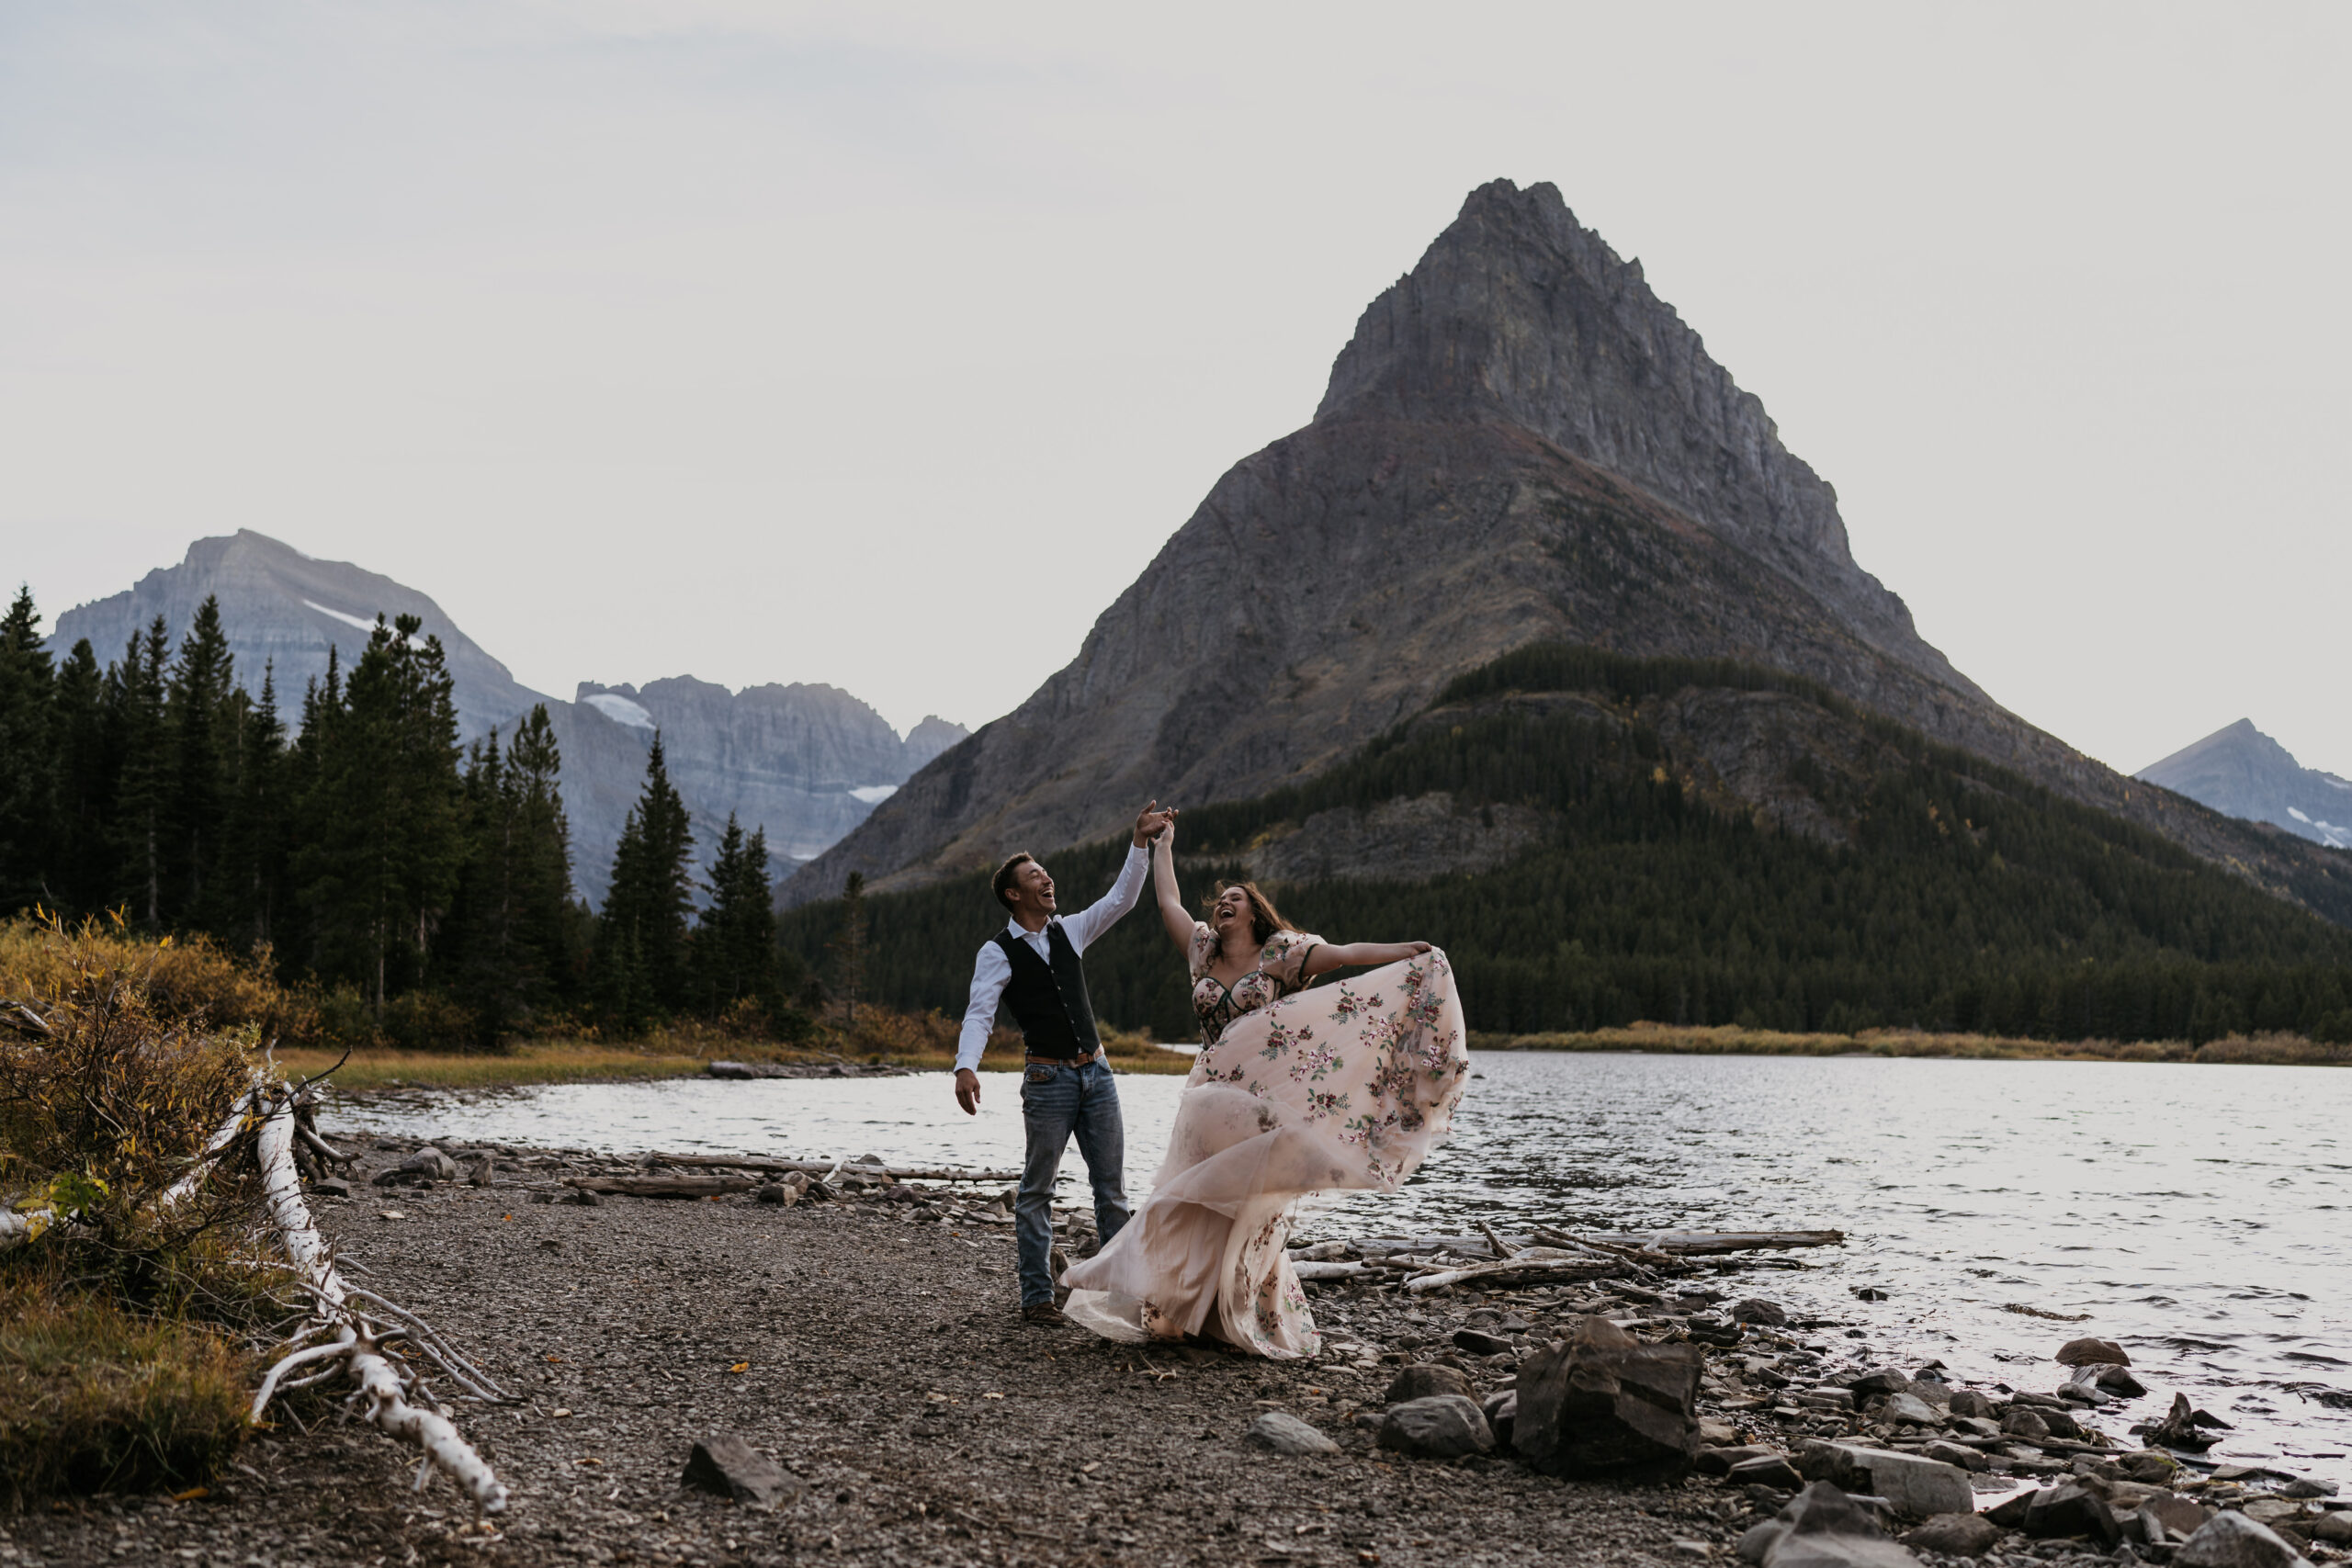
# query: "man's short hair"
{"type": "Point", "coordinates": [1002, 882]}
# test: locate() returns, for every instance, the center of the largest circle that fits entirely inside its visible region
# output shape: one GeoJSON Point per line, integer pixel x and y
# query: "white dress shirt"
{"type": "Point", "coordinates": [992, 970]}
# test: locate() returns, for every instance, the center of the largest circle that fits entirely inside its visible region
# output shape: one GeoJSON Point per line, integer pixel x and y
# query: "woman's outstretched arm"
{"type": "Point", "coordinates": [1163, 883]}
{"type": "Point", "coordinates": [1329, 956]}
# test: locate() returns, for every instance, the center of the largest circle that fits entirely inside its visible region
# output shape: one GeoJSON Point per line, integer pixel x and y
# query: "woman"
{"type": "Point", "coordinates": [1297, 1091]}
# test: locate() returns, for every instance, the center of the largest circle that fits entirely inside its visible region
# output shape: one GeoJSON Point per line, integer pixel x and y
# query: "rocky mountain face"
{"type": "Point", "coordinates": [282, 607]}
{"type": "Point", "coordinates": [2242, 773]}
{"type": "Point", "coordinates": [809, 763]}
{"type": "Point", "coordinates": [1522, 443]}
{"type": "Point", "coordinates": [806, 762]}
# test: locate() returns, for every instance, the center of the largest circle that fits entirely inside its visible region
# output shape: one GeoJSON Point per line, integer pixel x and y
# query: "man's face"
{"type": "Point", "coordinates": [1032, 888]}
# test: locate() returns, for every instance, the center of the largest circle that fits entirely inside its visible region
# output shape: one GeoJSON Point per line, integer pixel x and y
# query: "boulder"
{"type": "Point", "coordinates": [2304, 1486]}
{"type": "Point", "coordinates": [2148, 1465]}
{"type": "Point", "coordinates": [2071, 1507]}
{"type": "Point", "coordinates": [2233, 1541]}
{"type": "Point", "coordinates": [1968, 1402]}
{"type": "Point", "coordinates": [732, 1468]}
{"type": "Point", "coordinates": [2120, 1381]}
{"type": "Point", "coordinates": [2062, 1424]}
{"type": "Point", "coordinates": [1283, 1434]}
{"type": "Point", "coordinates": [1910, 1408]}
{"type": "Point", "coordinates": [1823, 1527]}
{"type": "Point", "coordinates": [1914, 1487]}
{"type": "Point", "coordinates": [1502, 1410]}
{"type": "Point", "coordinates": [331, 1187]}
{"type": "Point", "coordinates": [1603, 1401]}
{"type": "Point", "coordinates": [2335, 1529]}
{"type": "Point", "coordinates": [1444, 1426]}
{"type": "Point", "coordinates": [1955, 1535]}
{"type": "Point", "coordinates": [1424, 1381]}
{"type": "Point", "coordinates": [1885, 1380]}
{"type": "Point", "coordinates": [1931, 1391]}
{"type": "Point", "coordinates": [778, 1194]}
{"type": "Point", "coordinates": [1960, 1454]}
{"type": "Point", "coordinates": [2092, 1352]}
{"type": "Point", "coordinates": [1975, 1426]}
{"type": "Point", "coordinates": [2174, 1513]}
{"type": "Point", "coordinates": [2023, 1421]}
{"type": "Point", "coordinates": [1719, 1461]}
{"type": "Point", "coordinates": [1765, 1470]}
{"type": "Point", "coordinates": [1757, 1310]}
{"type": "Point", "coordinates": [1478, 1342]}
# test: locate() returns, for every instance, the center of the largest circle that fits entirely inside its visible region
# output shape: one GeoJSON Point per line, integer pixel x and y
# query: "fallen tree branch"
{"type": "Point", "coordinates": [1522, 1270]}
{"type": "Point", "coordinates": [662, 1186]}
{"type": "Point", "coordinates": [382, 1394]}
{"type": "Point", "coordinates": [823, 1167]}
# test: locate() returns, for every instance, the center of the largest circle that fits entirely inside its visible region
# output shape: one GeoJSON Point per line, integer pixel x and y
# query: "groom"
{"type": "Point", "coordinates": [1031, 967]}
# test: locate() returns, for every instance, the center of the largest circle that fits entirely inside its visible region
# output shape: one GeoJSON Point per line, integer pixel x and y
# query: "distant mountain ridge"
{"type": "Point", "coordinates": [1520, 444]}
{"type": "Point", "coordinates": [2242, 773]}
{"type": "Point", "coordinates": [805, 762]}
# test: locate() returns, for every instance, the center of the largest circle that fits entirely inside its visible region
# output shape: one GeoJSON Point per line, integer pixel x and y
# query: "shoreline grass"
{"type": "Point", "coordinates": [577, 1061]}
{"type": "Point", "coordinates": [1728, 1040]}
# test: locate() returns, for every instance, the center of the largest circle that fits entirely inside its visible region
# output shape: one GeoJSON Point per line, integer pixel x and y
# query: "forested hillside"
{"type": "Point", "coordinates": [1856, 876]}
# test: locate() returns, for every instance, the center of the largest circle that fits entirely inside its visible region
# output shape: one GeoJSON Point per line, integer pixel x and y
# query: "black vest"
{"type": "Point", "coordinates": [1049, 1000]}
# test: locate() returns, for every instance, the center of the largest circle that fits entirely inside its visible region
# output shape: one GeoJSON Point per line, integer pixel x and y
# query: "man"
{"type": "Point", "coordinates": [1031, 967]}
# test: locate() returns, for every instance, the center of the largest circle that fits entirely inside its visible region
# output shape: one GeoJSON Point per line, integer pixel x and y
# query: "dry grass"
{"type": "Point", "coordinates": [2269, 1050]}
{"type": "Point", "coordinates": [183, 982]}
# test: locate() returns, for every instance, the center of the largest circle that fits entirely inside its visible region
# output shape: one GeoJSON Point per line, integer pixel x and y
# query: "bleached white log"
{"type": "Point", "coordinates": [382, 1393]}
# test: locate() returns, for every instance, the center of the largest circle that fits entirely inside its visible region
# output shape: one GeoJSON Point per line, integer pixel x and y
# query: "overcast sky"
{"type": "Point", "coordinates": [884, 344]}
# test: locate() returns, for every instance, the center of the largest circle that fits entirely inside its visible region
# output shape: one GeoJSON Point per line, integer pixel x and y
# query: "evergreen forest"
{"type": "Point", "coordinates": [421, 888]}
{"type": "Point", "coordinates": [1962, 898]}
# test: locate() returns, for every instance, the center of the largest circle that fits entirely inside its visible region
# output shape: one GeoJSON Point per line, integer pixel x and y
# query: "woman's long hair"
{"type": "Point", "coordinates": [1264, 919]}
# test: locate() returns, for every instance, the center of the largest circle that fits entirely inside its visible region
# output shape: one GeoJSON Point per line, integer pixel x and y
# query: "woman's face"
{"type": "Point", "coordinates": [1231, 917]}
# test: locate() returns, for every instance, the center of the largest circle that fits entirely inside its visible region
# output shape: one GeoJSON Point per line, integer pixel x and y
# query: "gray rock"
{"type": "Point", "coordinates": [581, 1197]}
{"type": "Point", "coordinates": [1910, 1408]}
{"type": "Point", "coordinates": [732, 1468]}
{"type": "Point", "coordinates": [1885, 1380]}
{"type": "Point", "coordinates": [1914, 1487]}
{"type": "Point", "coordinates": [1757, 1310]}
{"type": "Point", "coordinates": [1603, 1401]}
{"type": "Point", "coordinates": [2062, 1424]}
{"type": "Point", "coordinates": [1444, 1426]}
{"type": "Point", "coordinates": [1960, 1454]}
{"type": "Point", "coordinates": [2119, 1381]}
{"type": "Point", "coordinates": [1502, 1410]}
{"type": "Point", "coordinates": [1718, 1462]}
{"type": "Point", "coordinates": [1757, 1541]}
{"type": "Point", "coordinates": [331, 1187]}
{"type": "Point", "coordinates": [2148, 1465]}
{"type": "Point", "coordinates": [1478, 1342]}
{"type": "Point", "coordinates": [1765, 1470]}
{"type": "Point", "coordinates": [2304, 1486]}
{"type": "Point", "coordinates": [2092, 1353]}
{"type": "Point", "coordinates": [1931, 1391]}
{"type": "Point", "coordinates": [1975, 1426]}
{"type": "Point", "coordinates": [1968, 1402]}
{"type": "Point", "coordinates": [482, 1172]}
{"type": "Point", "coordinates": [2022, 1421]}
{"type": "Point", "coordinates": [1823, 1527]}
{"type": "Point", "coordinates": [1287, 1435]}
{"type": "Point", "coordinates": [1424, 1379]}
{"type": "Point", "coordinates": [2174, 1514]}
{"type": "Point", "coordinates": [2233, 1541]}
{"type": "Point", "coordinates": [2335, 1529]}
{"type": "Point", "coordinates": [2071, 1507]}
{"type": "Point", "coordinates": [777, 1194]}
{"type": "Point", "coordinates": [1955, 1535]}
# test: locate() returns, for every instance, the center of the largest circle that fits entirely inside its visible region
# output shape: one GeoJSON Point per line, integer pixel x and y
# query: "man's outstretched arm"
{"type": "Point", "coordinates": [1092, 921]}
{"type": "Point", "coordinates": [990, 970]}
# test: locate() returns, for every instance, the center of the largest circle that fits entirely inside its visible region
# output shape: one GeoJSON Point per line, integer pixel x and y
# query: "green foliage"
{"type": "Point", "coordinates": [642, 942]}
{"type": "Point", "coordinates": [1969, 899]}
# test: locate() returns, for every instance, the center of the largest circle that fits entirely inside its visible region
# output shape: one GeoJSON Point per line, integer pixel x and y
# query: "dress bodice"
{"type": "Point", "coordinates": [1281, 969]}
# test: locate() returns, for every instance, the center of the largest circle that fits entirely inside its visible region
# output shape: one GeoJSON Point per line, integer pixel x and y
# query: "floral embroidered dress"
{"type": "Point", "coordinates": [1298, 1091]}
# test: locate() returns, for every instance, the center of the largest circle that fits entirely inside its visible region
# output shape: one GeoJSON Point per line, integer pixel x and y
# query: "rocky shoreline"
{"type": "Point", "coordinates": [843, 1345]}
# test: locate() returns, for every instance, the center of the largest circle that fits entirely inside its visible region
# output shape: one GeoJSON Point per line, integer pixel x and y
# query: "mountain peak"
{"type": "Point", "coordinates": [1518, 314]}
{"type": "Point", "coordinates": [2243, 772]}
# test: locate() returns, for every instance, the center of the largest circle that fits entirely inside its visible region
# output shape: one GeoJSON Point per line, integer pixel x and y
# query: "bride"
{"type": "Point", "coordinates": [1297, 1091]}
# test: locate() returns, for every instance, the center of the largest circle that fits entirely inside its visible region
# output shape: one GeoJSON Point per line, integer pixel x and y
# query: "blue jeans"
{"type": "Point", "coordinates": [1056, 1101]}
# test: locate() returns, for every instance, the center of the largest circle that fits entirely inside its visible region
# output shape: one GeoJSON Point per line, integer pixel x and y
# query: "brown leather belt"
{"type": "Point", "coordinates": [1062, 1061]}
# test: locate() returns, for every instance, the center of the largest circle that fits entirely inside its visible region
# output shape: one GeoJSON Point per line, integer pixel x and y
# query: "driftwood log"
{"type": "Point", "coordinates": [662, 1186]}
{"type": "Point", "coordinates": [359, 1325]}
{"type": "Point", "coordinates": [826, 1167]}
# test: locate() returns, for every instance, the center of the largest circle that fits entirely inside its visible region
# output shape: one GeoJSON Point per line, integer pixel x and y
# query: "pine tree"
{"type": "Point", "coordinates": [510, 928]}
{"type": "Point", "coordinates": [139, 749]}
{"type": "Point", "coordinates": [642, 938]}
{"type": "Point", "coordinates": [81, 858]}
{"type": "Point", "coordinates": [201, 705]}
{"type": "Point", "coordinates": [255, 834]}
{"type": "Point", "coordinates": [382, 841]}
{"type": "Point", "coordinates": [849, 946]}
{"type": "Point", "coordinates": [735, 957]}
{"type": "Point", "coordinates": [28, 756]}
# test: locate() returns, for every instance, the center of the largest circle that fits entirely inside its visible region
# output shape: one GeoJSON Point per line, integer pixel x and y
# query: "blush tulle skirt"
{"type": "Point", "coordinates": [1339, 1087]}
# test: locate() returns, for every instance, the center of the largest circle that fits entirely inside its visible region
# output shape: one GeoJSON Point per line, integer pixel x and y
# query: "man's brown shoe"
{"type": "Point", "coordinates": [1041, 1312]}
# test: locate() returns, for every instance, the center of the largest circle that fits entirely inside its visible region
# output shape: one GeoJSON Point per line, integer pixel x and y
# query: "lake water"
{"type": "Point", "coordinates": [2202, 1215]}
